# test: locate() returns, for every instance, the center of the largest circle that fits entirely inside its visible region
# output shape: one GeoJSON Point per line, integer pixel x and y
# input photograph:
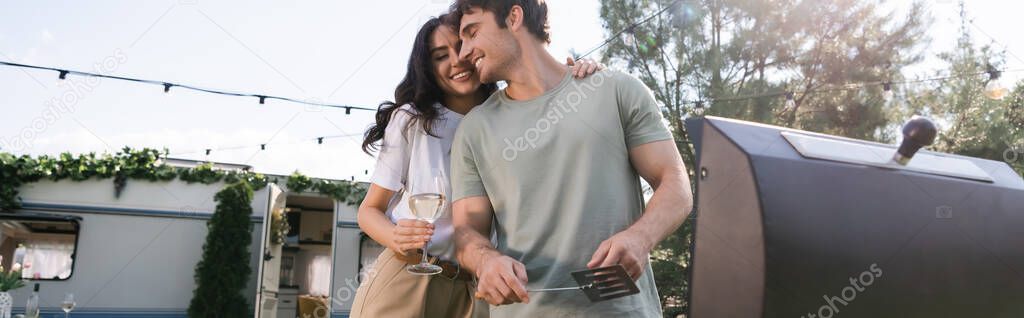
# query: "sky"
{"type": "Point", "coordinates": [338, 52]}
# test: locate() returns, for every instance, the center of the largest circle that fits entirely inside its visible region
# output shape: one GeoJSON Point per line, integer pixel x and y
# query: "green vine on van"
{"type": "Point", "coordinates": [145, 165]}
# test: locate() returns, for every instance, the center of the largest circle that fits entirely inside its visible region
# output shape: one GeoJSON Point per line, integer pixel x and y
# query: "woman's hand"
{"type": "Point", "coordinates": [584, 67]}
{"type": "Point", "coordinates": [409, 235]}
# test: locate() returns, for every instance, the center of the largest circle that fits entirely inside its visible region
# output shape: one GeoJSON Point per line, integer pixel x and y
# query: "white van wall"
{"type": "Point", "coordinates": [136, 254]}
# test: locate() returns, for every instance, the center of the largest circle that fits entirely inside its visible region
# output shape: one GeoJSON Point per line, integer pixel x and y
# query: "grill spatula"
{"type": "Point", "coordinates": [601, 283]}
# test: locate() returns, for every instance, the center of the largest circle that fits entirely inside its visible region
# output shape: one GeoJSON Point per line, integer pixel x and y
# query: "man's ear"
{"type": "Point", "coordinates": [514, 21]}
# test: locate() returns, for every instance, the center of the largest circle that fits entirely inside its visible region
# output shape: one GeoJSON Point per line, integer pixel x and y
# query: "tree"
{"type": "Point", "coordinates": [970, 123]}
{"type": "Point", "coordinates": [223, 271]}
{"type": "Point", "coordinates": [1014, 152]}
{"type": "Point", "coordinates": [725, 51]}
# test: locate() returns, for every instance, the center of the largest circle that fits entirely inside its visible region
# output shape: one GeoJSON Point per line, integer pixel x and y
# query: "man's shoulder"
{"type": "Point", "coordinates": [620, 79]}
{"type": "Point", "coordinates": [609, 75]}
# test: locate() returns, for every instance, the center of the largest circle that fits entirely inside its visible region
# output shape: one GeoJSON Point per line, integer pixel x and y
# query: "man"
{"type": "Point", "coordinates": [552, 162]}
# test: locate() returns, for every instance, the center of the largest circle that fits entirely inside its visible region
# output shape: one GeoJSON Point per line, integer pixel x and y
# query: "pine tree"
{"type": "Point", "coordinates": [718, 50]}
{"type": "Point", "coordinates": [970, 123]}
{"type": "Point", "coordinates": [223, 272]}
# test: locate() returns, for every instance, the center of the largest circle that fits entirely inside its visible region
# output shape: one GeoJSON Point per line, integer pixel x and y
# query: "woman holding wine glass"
{"type": "Point", "coordinates": [407, 204]}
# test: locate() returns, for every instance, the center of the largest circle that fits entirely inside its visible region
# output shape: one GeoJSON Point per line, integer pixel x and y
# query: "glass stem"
{"type": "Point", "coordinates": [425, 252]}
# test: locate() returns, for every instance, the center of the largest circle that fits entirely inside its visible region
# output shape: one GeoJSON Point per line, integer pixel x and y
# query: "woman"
{"type": "Point", "coordinates": [415, 132]}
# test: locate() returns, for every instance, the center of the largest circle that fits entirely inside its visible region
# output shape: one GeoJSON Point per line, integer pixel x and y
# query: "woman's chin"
{"type": "Point", "coordinates": [465, 89]}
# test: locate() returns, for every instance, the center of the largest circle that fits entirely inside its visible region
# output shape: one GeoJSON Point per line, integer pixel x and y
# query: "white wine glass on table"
{"type": "Point", "coordinates": [427, 204]}
{"type": "Point", "coordinates": [68, 304]}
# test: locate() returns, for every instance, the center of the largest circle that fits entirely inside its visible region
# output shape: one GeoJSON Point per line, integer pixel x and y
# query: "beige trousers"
{"type": "Point", "coordinates": [391, 292]}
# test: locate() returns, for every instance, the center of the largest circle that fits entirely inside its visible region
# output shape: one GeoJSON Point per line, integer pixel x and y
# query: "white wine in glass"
{"type": "Point", "coordinates": [68, 304]}
{"type": "Point", "coordinates": [428, 206]}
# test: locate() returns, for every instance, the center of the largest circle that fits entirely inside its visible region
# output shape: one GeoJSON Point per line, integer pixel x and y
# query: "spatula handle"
{"type": "Point", "coordinates": [552, 289]}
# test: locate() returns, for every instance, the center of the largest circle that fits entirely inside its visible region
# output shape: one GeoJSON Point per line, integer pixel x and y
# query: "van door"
{"type": "Point", "coordinates": [269, 271]}
{"type": "Point", "coordinates": [347, 256]}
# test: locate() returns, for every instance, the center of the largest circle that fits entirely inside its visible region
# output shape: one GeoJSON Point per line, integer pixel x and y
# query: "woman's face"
{"type": "Point", "coordinates": [456, 77]}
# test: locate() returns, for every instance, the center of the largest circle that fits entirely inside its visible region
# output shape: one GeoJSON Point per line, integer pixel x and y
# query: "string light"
{"type": "Point", "coordinates": [62, 74]}
{"type": "Point", "coordinates": [628, 37]}
{"type": "Point", "coordinates": [995, 89]}
{"type": "Point", "coordinates": [263, 146]}
{"type": "Point", "coordinates": [630, 28]}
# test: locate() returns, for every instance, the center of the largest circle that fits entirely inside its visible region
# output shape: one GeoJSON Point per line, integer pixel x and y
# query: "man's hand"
{"type": "Point", "coordinates": [410, 235]}
{"type": "Point", "coordinates": [628, 248]}
{"type": "Point", "coordinates": [501, 280]}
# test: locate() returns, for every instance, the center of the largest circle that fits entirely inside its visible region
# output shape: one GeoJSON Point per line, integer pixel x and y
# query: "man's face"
{"type": "Point", "coordinates": [489, 47]}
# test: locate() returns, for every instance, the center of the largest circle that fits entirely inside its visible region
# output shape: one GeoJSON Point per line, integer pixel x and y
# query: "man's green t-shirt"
{"type": "Point", "coordinates": [557, 172]}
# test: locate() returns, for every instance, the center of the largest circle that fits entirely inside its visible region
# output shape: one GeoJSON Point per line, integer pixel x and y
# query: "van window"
{"type": "Point", "coordinates": [43, 247]}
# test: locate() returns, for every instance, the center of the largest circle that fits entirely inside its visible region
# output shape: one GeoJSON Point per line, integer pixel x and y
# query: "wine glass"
{"type": "Point", "coordinates": [427, 204]}
{"type": "Point", "coordinates": [68, 304]}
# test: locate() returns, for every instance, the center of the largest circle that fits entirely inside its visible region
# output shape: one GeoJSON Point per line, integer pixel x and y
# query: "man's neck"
{"type": "Point", "coordinates": [536, 73]}
{"type": "Point", "coordinates": [462, 104]}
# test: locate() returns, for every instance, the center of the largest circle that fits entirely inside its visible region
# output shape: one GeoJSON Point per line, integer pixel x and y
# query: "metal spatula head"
{"type": "Point", "coordinates": [605, 283]}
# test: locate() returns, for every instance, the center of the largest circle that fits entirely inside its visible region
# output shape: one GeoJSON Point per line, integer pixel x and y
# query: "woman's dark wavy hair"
{"type": "Point", "coordinates": [419, 88]}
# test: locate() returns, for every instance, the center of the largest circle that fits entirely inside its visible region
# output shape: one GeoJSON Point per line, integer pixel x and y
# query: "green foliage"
{"type": "Point", "coordinates": [128, 164]}
{"type": "Point", "coordinates": [203, 173]}
{"type": "Point", "coordinates": [279, 226]}
{"type": "Point", "coordinates": [341, 190]}
{"type": "Point", "coordinates": [298, 182]}
{"type": "Point", "coordinates": [223, 272]}
{"type": "Point", "coordinates": [344, 191]}
{"type": "Point", "coordinates": [10, 280]}
{"type": "Point", "coordinates": [144, 164]}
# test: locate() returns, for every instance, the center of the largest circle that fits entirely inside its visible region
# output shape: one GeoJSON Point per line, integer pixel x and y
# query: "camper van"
{"type": "Point", "coordinates": [134, 254]}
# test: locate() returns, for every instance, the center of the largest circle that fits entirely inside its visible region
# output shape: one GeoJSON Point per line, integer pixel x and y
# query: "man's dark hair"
{"type": "Point", "coordinates": [535, 14]}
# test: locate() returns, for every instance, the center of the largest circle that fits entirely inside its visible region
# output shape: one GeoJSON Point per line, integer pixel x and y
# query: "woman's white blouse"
{"type": "Point", "coordinates": [405, 162]}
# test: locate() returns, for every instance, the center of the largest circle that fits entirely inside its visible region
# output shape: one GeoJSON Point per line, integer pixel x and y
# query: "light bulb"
{"type": "Point", "coordinates": [62, 77]}
{"type": "Point", "coordinates": [996, 90]}
{"type": "Point", "coordinates": [628, 38]}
